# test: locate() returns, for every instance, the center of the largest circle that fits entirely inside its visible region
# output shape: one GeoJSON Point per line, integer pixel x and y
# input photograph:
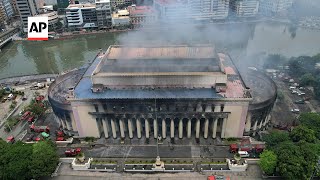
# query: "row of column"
{"type": "Point", "coordinates": [132, 127]}
{"type": "Point", "coordinates": [256, 126]}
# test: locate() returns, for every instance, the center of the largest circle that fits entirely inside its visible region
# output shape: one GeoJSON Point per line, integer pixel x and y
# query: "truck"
{"type": "Point", "coordinates": [25, 115]}
{"type": "Point", "coordinates": [39, 129]}
{"type": "Point", "coordinates": [10, 139]}
{"type": "Point", "coordinates": [72, 152]}
{"type": "Point", "coordinates": [248, 145]}
{"type": "Point", "coordinates": [39, 98]}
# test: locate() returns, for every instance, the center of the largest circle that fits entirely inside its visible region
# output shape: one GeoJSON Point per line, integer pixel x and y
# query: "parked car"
{"type": "Point", "coordinates": [72, 152]}
{"type": "Point", "coordinates": [30, 138]}
{"type": "Point", "coordinates": [301, 101]}
{"type": "Point", "coordinates": [24, 98]}
{"type": "Point", "coordinates": [10, 139]}
{"type": "Point", "coordinates": [295, 110]}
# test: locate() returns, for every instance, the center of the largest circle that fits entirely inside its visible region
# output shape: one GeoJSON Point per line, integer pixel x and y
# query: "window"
{"type": "Point", "coordinates": [221, 107]}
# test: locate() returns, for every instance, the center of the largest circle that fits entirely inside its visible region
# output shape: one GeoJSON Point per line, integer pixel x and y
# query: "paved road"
{"type": "Point", "coordinates": [178, 151]}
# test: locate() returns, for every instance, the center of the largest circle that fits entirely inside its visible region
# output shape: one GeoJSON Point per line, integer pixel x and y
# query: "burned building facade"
{"type": "Point", "coordinates": [156, 91]}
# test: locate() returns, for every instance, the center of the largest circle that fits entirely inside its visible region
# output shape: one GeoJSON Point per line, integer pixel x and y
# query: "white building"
{"type": "Point", "coordinates": [192, 9]}
{"type": "Point", "coordinates": [103, 9]}
{"type": "Point", "coordinates": [81, 16]}
{"type": "Point", "coordinates": [209, 9]}
{"type": "Point", "coordinates": [121, 18]}
{"type": "Point", "coordinates": [273, 7]}
{"type": "Point", "coordinates": [244, 8]}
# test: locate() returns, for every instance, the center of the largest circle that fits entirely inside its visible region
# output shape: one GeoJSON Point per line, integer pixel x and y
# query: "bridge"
{"type": "Point", "coordinates": [6, 36]}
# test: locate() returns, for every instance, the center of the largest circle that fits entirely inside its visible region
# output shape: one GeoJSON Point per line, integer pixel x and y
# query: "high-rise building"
{"type": "Point", "coordinates": [142, 15]}
{"type": "Point", "coordinates": [81, 16]}
{"type": "Point", "coordinates": [273, 7]}
{"type": "Point", "coordinates": [120, 3]}
{"type": "Point", "coordinates": [15, 8]}
{"type": "Point", "coordinates": [209, 9]}
{"type": "Point", "coordinates": [244, 8]}
{"type": "Point", "coordinates": [103, 9]}
{"type": "Point", "coordinates": [7, 7]}
{"type": "Point", "coordinates": [192, 9]}
{"type": "Point", "coordinates": [27, 8]}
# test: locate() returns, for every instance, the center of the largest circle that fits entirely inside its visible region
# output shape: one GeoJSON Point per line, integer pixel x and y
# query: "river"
{"type": "Point", "coordinates": [242, 41]}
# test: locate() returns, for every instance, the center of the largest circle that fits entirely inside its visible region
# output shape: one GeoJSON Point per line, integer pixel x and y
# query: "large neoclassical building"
{"type": "Point", "coordinates": [162, 91]}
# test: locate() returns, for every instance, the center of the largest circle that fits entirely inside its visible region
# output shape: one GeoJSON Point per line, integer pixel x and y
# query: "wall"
{"type": "Point", "coordinates": [236, 120]}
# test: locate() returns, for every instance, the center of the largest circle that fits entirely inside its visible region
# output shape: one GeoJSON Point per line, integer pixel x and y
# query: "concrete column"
{"type": "Point", "coordinates": [214, 128]}
{"type": "Point", "coordinates": [189, 128]}
{"type": "Point", "coordinates": [69, 127]}
{"type": "Point", "coordinates": [155, 128]}
{"type": "Point", "coordinates": [130, 128]}
{"type": "Point", "coordinates": [121, 124]}
{"type": "Point", "coordinates": [172, 128]}
{"type": "Point", "coordinates": [198, 128]}
{"type": "Point", "coordinates": [255, 127]}
{"type": "Point", "coordinates": [248, 123]}
{"type": "Point", "coordinates": [147, 128]}
{"type": "Point", "coordinates": [164, 128]}
{"type": "Point", "coordinates": [62, 123]}
{"type": "Point", "coordinates": [105, 128]}
{"type": "Point", "coordinates": [260, 125]}
{"type": "Point", "coordinates": [138, 123]}
{"type": "Point", "coordinates": [206, 128]}
{"type": "Point", "coordinates": [113, 128]}
{"type": "Point", "coordinates": [224, 124]}
{"type": "Point", "coordinates": [180, 128]}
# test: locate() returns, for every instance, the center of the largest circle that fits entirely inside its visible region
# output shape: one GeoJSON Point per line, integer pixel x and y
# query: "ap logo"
{"type": "Point", "coordinates": [37, 28]}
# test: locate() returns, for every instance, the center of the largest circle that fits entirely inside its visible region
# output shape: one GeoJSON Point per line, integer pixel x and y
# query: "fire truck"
{"type": "Point", "coordinates": [72, 152]}
{"type": "Point", "coordinates": [39, 129]}
{"type": "Point", "coordinates": [248, 145]}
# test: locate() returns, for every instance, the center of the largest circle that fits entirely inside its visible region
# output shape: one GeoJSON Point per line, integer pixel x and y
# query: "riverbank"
{"type": "Point", "coordinates": [26, 79]}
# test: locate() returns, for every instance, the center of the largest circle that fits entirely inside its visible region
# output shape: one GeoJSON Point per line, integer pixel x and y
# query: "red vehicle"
{"type": "Point", "coordinates": [246, 145]}
{"type": "Point", "coordinates": [39, 129]}
{"type": "Point", "coordinates": [59, 133]}
{"type": "Point", "coordinates": [72, 152]}
{"type": "Point", "coordinates": [10, 139]}
{"type": "Point", "coordinates": [25, 115]}
{"type": "Point", "coordinates": [31, 119]}
{"type": "Point", "coordinates": [39, 98]}
{"type": "Point", "coordinates": [60, 139]}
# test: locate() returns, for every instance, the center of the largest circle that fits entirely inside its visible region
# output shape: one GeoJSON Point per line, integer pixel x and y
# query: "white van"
{"type": "Point", "coordinates": [244, 154]}
{"type": "Point", "coordinates": [10, 96]}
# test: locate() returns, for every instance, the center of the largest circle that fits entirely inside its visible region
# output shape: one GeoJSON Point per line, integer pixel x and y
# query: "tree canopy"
{"type": "Point", "coordinates": [302, 133]}
{"type": "Point", "coordinates": [275, 137]}
{"type": "Point", "coordinates": [268, 161]}
{"type": "Point", "coordinates": [26, 161]}
{"type": "Point", "coordinates": [311, 121]}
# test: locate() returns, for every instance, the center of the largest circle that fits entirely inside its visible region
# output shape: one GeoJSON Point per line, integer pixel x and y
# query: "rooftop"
{"type": "Point", "coordinates": [77, 6]}
{"type": "Point", "coordinates": [135, 10]}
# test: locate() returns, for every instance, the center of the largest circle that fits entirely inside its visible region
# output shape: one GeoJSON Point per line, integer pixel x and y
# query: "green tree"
{"type": "Point", "coordinates": [302, 133]}
{"type": "Point", "coordinates": [36, 108]}
{"type": "Point", "coordinates": [44, 159]}
{"type": "Point", "coordinates": [275, 137]}
{"type": "Point", "coordinates": [268, 161]}
{"type": "Point", "coordinates": [307, 80]}
{"type": "Point", "coordinates": [15, 161]}
{"type": "Point", "coordinates": [311, 121]}
{"type": "Point", "coordinates": [290, 161]}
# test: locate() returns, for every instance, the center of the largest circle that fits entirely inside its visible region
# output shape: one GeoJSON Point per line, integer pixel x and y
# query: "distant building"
{"type": "Point", "coordinates": [7, 7]}
{"type": "Point", "coordinates": [2, 17]}
{"type": "Point", "coordinates": [103, 9]}
{"type": "Point", "coordinates": [171, 10]}
{"type": "Point", "coordinates": [81, 16]}
{"type": "Point", "coordinates": [120, 18]}
{"type": "Point", "coordinates": [52, 17]}
{"type": "Point", "coordinates": [244, 8]}
{"type": "Point", "coordinates": [273, 7]}
{"type": "Point", "coordinates": [15, 8]}
{"type": "Point", "coordinates": [27, 8]}
{"type": "Point", "coordinates": [209, 9]}
{"type": "Point", "coordinates": [192, 9]}
{"type": "Point", "coordinates": [142, 15]}
{"type": "Point", "coordinates": [118, 3]}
